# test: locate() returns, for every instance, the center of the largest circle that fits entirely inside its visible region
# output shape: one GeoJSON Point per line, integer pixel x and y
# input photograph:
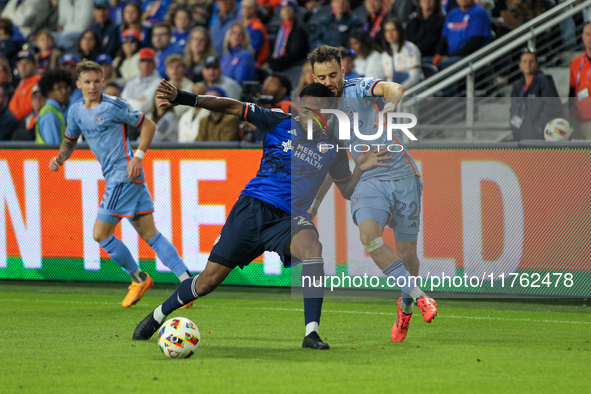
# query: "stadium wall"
{"type": "Point", "coordinates": [484, 210]}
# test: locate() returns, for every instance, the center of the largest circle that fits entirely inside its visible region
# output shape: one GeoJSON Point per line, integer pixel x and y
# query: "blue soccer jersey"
{"type": "Point", "coordinates": [358, 97]}
{"type": "Point", "coordinates": [293, 167]}
{"type": "Point", "coordinates": [105, 129]}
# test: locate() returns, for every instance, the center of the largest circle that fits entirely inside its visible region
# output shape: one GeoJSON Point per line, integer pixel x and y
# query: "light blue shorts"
{"type": "Point", "coordinates": [394, 203]}
{"type": "Point", "coordinates": [125, 200]}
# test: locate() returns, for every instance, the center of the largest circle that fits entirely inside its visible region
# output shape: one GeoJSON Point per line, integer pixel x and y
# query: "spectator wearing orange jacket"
{"type": "Point", "coordinates": [259, 39]}
{"type": "Point", "coordinates": [20, 104]}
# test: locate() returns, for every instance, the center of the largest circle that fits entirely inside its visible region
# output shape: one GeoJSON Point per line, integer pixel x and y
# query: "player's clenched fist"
{"type": "Point", "coordinates": [56, 162]}
{"type": "Point", "coordinates": [134, 168]}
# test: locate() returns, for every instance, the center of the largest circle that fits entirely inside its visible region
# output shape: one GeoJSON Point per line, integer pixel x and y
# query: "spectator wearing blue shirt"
{"type": "Point", "coordinates": [228, 14]}
{"type": "Point", "coordinates": [161, 41]}
{"type": "Point", "coordinates": [183, 21]}
{"type": "Point", "coordinates": [466, 30]}
{"type": "Point", "coordinates": [238, 62]}
{"type": "Point", "coordinates": [334, 28]}
{"type": "Point", "coordinates": [132, 19]}
{"type": "Point", "coordinates": [107, 30]}
{"type": "Point", "coordinates": [51, 126]}
{"type": "Point", "coordinates": [154, 11]}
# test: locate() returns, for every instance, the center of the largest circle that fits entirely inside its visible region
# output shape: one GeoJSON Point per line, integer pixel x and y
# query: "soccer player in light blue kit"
{"type": "Point", "coordinates": [103, 121]}
{"type": "Point", "coordinates": [384, 195]}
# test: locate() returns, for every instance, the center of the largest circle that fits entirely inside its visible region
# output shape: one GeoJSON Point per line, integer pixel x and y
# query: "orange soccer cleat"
{"type": "Point", "coordinates": [188, 305]}
{"type": "Point", "coordinates": [136, 291]}
{"type": "Point", "coordinates": [427, 307]}
{"type": "Point", "coordinates": [400, 327]}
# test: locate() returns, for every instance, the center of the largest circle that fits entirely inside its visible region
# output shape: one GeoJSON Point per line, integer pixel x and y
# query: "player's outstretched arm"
{"type": "Point", "coordinates": [392, 93]}
{"type": "Point", "coordinates": [66, 149]}
{"type": "Point", "coordinates": [175, 96]}
{"type": "Point", "coordinates": [147, 130]}
{"type": "Point", "coordinates": [365, 161]}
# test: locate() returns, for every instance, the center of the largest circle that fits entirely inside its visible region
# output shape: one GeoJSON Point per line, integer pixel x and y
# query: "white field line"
{"type": "Point", "coordinates": [324, 311]}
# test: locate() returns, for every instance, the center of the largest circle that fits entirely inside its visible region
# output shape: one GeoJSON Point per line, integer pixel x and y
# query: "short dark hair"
{"type": "Point", "coordinates": [114, 85]}
{"type": "Point", "coordinates": [51, 77]}
{"type": "Point", "coordinates": [7, 26]}
{"type": "Point", "coordinates": [323, 54]}
{"type": "Point", "coordinates": [163, 25]}
{"type": "Point", "coordinates": [284, 81]}
{"type": "Point", "coordinates": [316, 89]}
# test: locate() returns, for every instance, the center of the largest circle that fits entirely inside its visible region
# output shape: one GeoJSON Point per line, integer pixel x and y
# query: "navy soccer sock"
{"type": "Point", "coordinates": [313, 291]}
{"type": "Point", "coordinates": [183, 294]}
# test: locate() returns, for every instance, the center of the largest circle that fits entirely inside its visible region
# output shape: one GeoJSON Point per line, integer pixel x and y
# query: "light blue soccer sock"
{"type": "Point", "coordinates": [120, 254]}
{"type": "Point", "coordinates": [168, 254]}
{"type": "Point", "coordinates": [407, 284]}
{"type": "Point", "coordinates": [406, 304]}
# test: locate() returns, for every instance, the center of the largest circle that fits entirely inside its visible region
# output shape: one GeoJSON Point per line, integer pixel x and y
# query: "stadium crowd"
{"type": "Point", "coordinates": [245, 50]}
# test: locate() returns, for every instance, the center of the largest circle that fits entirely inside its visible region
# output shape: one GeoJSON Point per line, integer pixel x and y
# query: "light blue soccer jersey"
{"type": "Point", "coordinates": [105, 129]}
{"type": "Point", "coordinates": [358, 97]}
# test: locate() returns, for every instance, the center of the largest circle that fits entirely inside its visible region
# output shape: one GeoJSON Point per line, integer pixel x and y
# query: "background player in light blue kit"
{"type": "Point", "coordinates": [385, 195]}
{"type": "Point", "coordinates": [103, 120]}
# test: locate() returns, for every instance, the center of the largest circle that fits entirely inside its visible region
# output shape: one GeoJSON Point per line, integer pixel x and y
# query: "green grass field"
{"type": "Point", "coordinates": [76, 338]}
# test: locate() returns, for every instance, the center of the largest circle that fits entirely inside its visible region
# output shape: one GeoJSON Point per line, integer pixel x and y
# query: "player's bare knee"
{"type": "Point", "coordinates": [99, 237]}
{"type": "Point", "coordinates": [368, 236]}
{"type": "Point", "coordinates": [311, 250]}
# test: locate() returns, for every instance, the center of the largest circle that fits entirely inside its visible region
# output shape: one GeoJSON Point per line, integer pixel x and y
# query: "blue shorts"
{"type": "Point", "coordinates": [125, 200]}
{"type": "Point", "coordinates": [253, 227]}
{"type": "Point", "coordinates": [396, 203]}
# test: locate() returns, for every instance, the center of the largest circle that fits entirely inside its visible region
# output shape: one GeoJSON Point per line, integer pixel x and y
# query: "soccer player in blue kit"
{"type": "Point", "coordinates": [103, 121]}
{"type": "Point", "coordinates": [270, 214]}
{"type": "Point", "coordinates": [385, 195]}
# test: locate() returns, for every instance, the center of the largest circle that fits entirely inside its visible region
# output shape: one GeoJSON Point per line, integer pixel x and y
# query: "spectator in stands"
{"type": "Point", "coordinates": [113, 89]}
{"type": "Point", "coordinates": [212, 76]}
{"type": "Point", "coordinates": [48, 57]}
{"type": "Point", "coordinates": [375, 13]}
{"type": "Point", "coordinates": [518, 12]}
{"type": "Point", "coordinates": [68, 63]}
{"type": "Point", "coordinates": [74, 17]}
{"type": "Point", "coordinates": [238, 62]}
{"type": "Point", "coordinates": [401, 59]}
{"type": "Point", "coordinates": [116, 13]}
{"type": "Point", "coordinates": [279, 86]}
{"type": "Point", "coordinates": [29, 15]}
{"type": "Point", "coordinates": [167, 123]}
{"type": "Point", "coordinates": [8, 122]}
{"type": "Point", "coordinates": [218, 126]}
{"type": "Point", "coordinates": [198, 48]}
{"type": "Point", "coordinates": [154, 11]}
{"type": "Point", "coordinates": [348, 63]}
{"type": "Point", "coordinates": [306, 77]}
{"type": "Point", "coordinates": [89, 45]}
{"type": "Point", "coordinates": [271, 5]}
{"type": "Point", "coordinates": [107, 30]}
{"type": "Point", "coordinates": [334, 29]}
{"type": "Point", "coordinates": [534, 100]}
{"type": "Point", "coordinates": [368, 59]}
{"type": "Point", "coordinates": [5, 72]}
{"type": "Point", "coordinates": [161, 36]}
{"type": "Point", "coordinates": [132, 19]}
{"type": "Point", "coordinates": [140, 91]}
{"type": "Point", "coordinates": [466, 30]}
{"type": "Point", "coordinates": [200, 10]}
{"type": "Point", "coordinates": [402, 9]}
{"type": "Point", "coordinates": [227, 14]}
{"type": "Point", "coordinates": [424, 29]}
{"type": "Point", "coordinates": [259, 39]}
{"type": "Point", "coordinates": [37, 102]}
{"type": "Point", "coordinates": [20, 104]}
{"type": "Point", "coordinates": [176, 70]}
{"type": "Point", "coordinates": [580, 84]}
{"type": "Point", "coordinates": [51, 126]}
{"type": "Point", "coordinates": [8, 44]}
{"type": "Point", "coordinates": [291, 45]}
{"type": "Point", "coordinates": [106, 62]}
{"type": "Point", "coordinates": [189, 122]}
{"type": "Point", "coordinates": [182, 27]}
{"type": "Point", "coordinates": [128, 57]}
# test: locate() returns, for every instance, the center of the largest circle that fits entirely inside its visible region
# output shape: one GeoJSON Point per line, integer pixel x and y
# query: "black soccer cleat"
{"type": "Point", "coordinates": [313, 341]}
{"type": "Point", "coordinates": [146, 328]}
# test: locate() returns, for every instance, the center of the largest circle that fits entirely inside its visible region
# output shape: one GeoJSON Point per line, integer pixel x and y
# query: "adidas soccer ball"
{"type": "Point", "coordinates": [558, 130]}
{"type": "Point", "coordinates": [178, 338]}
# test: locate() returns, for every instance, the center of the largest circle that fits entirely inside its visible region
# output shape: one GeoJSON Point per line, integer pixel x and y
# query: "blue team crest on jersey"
{"type": "Point", "coordinates": [99, 119]}
{"type": "Point", "coordinates": [349, 112]}
{"type": "Point", "coordinates": [354, 199]}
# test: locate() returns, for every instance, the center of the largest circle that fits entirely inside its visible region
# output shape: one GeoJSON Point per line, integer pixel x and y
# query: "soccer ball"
{"type": "Point", "coordinates": [558, 130]}
{"type": "Point", "coordinates": [178, 338]}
